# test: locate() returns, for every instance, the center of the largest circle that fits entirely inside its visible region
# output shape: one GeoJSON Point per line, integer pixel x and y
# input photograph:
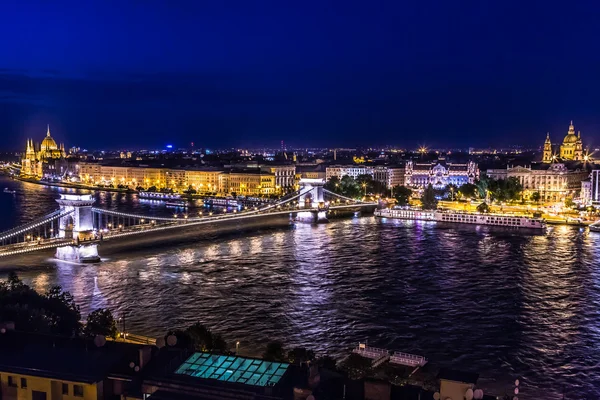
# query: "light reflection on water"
{"type": "Point", "coordinates": [503, 304]}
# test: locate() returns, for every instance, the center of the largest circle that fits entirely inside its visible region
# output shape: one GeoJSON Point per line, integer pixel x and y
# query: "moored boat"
{"type": "Point", "coordinates": [595, 227]}
{"type": "Point", "coordinates": [159, 196]}
{"type": "Point", "coordinates": [505, 220]}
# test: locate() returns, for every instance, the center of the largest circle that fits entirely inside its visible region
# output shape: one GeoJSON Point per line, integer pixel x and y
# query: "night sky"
{"type": "Point", "coordinates": [116, 74]}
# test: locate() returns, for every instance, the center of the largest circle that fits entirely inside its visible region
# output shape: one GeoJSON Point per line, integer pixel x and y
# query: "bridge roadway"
{"type": "Point", "coordinates": [166, 224]}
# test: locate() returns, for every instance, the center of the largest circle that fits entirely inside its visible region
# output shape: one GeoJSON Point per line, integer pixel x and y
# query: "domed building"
{"type": "Point", "coordinates": [36, 156]}
{"type": "Point", "coordinates": [571, 148]}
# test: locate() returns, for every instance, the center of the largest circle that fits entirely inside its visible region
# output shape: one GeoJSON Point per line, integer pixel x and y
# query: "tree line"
{"type": "Point", "coordinates": [54, 312]}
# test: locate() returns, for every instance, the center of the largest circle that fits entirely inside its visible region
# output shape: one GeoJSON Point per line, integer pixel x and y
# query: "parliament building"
{"type": "Point", "coordinates": [39, 158]}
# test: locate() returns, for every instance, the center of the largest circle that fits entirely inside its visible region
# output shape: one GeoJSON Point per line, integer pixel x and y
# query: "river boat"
{"type": "Point", "coordinates": [159, 196]}
{"type": "Point", "coordinates": [7, 190]}
{"type": "Point", "coordinates": [595, 227]}
{"type": "Point", "coordinates": [177, 203]}
{"type": "Point", "coordinates": [504, 220]}
{"type": "Point", "coordinates": [221, 202]}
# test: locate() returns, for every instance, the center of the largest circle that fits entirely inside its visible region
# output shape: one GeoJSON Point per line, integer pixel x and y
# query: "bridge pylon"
{"type": "Point", "coordinates": [78, 225]}
{"type": "Point", "coordinates": [312, 200]}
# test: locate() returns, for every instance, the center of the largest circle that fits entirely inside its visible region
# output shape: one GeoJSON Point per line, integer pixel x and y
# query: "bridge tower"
{"type": "Point", "coordinates": [78, 225]}
{"type": "Point", "coordinates": [312, 193]}
{"type": "Point", "coordinates": [312, 200]}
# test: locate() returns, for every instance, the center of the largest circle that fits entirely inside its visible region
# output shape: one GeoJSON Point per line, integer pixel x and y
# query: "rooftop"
{"type": "Point", "coordinates": [247, 371]}
{"type": "Point", "coordinates": [72, 359]}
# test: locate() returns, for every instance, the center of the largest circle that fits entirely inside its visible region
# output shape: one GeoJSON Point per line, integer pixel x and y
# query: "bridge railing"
{"type": "Point", "coordinates": [32, 225]}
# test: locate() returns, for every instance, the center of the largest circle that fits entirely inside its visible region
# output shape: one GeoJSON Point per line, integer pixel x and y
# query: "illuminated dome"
{"type": "Point", "coordinates": [571, 137]}
{"type": "Point", "coordinates": [48, 143]}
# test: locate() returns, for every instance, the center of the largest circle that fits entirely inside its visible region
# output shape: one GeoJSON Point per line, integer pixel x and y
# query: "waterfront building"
{"type": "Point", "coordinates": [250, 182]}
{"type": "Point", "coordinates": [554, 182]}
{"type": "Point", "coordinates": [586, 191]}
{"type": "Point", "coordinates": [350, 170]}
{"type": "Point", "coordinates": [206, 180]}
{"type": "Point", "coordinates": [439, 174]}
{"type": "Point", "coordinates": [32, 163]}
{"type": "Point", "coordinates": [571, 148]}
{"type": "Point", "coordinates": [594, 193]}
{"type": "Point", "coordinates": [285, 176]}
{"type": "Point", "coordinates": [390, 176]}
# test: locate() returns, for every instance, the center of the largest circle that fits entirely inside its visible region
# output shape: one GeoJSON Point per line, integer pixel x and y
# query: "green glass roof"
{"type": "Point", "coordinates": [248, 371]}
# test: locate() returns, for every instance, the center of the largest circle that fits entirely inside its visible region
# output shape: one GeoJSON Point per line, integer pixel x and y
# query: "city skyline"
{"type": "Point", "coordinates": [313, 75]}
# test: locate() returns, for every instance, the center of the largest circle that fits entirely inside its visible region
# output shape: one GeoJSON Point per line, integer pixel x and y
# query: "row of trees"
{"type": "Point", "coordinates": [356, 188]}
{"type": "Point", "coordinates": [53, 312]}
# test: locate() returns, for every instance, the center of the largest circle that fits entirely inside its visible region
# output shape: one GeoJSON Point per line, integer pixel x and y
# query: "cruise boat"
{"type": "Point", "coordinates": [505, 220]}
{"type": "Point", "coordinates": [595, 227]}
{"type": "Point", "coordinates": [177, 203]}
{"type": "Point", "coordinates": [159, 196]}
{"type": "Point", "coordinates": [7, 190]}
{"type": "Point", "coordinates": [221, 202]}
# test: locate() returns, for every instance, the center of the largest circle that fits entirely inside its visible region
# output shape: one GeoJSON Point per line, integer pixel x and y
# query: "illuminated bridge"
{"type": "Point", "coordinates": [76, 228]}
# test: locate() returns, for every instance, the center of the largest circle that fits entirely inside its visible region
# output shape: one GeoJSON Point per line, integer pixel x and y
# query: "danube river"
{"type": "Point", "coordinates": [498, 302]}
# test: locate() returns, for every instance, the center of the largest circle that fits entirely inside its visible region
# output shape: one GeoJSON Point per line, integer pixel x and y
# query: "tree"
{"type": "Point", "coordinates": [536, 196]}
{"type": "Point", "coordinates": [152, 189]}
{"type": "Point", "coordinates": [356, 366]}
{"type": "Point", "coordinates": [468, 190]}
{"type": "Point", "coordinates": [450, 191]}
{"type": "Point", "coordinates": [483, 186]}
{"type": "Point", "coordinates": [274, 352]}
{"type": "Point", "coordinates": [569, 203]}
{"type": "Point", "coordinates": [333, 185]}
{"type": "Point", "coordinates": [101, 322]}
{"type": "Point", "coordinates": [54, 312]}
{"type": "Point", "coordinates": [428, 200]}
{"type": "Point", "coordinates": [299, 355]}
{"type": "Point", "coordinates": [327, 362]}
{"type": "Point", "coordinates": [190, 190]}
{"type": "Point", "coordinates": [483, 208]}
{"type": "Point", "coordinates": [202, 339]}
{"type": "Point", "coordinates": [402, 195]}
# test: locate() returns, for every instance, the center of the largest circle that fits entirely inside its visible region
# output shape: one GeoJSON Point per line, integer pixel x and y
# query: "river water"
{"type": "Point", "coordinates": [495, 301]}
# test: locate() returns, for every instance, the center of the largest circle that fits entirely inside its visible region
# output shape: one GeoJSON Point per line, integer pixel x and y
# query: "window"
{"type": "Point", "coordinates": [12, 382]}
{"type": "Point", "coordinates": [23, 383]}
{"type": "Point", "coordinates": [78, 390]}
{"type": "Point", "coordinates": [65, 388]}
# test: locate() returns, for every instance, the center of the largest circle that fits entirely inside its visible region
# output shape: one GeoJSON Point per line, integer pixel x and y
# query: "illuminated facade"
{"type": "Point", "coordinates": [554, 182]}
{"type": "Point", "coordinates": [285, 176]}
{"type": "Point", "coordinates": [251, 182]}
{"type": "Point", "coordinates": [35, 157]}
{"type": "Point", "coordinates": [389, 176]}
{"type": "Point", "coordinates": [439, 174]}
{"type": "Point", "coordinates": [351, 170]}
{"type": "Point", "coordinates": [571, 148]}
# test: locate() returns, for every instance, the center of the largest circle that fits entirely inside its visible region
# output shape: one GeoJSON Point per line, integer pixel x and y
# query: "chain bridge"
{"type": "Point", "coordinates": [77, 228]}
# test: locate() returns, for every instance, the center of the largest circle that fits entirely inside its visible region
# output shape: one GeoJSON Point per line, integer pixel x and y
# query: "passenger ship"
{"type": "Point", "coordinates": [511, 221]}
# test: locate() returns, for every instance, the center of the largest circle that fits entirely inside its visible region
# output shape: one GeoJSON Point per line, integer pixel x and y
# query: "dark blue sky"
{"type": "Point", "coordinates": [147, 73]}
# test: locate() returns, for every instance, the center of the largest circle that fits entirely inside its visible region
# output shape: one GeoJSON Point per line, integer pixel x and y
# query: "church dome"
{"type": "Point", "coordinates": [571, 137]}
{"type": "Point", "coordinates": [48, 143]}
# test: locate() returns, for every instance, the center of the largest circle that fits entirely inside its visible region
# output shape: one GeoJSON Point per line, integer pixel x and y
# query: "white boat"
{"type": "Point", "coordinates": [159, 196]}
{"type": "Point", "coordinates": [177, 203]}
{"type": "Point", "coordinates": [595, 227]}
{"type": "Point", "coordinates": [7, 190]}
{"type": "Point", "coordinates": [505, 220]}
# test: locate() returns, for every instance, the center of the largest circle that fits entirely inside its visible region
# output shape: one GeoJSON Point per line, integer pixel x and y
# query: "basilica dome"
{"type": "Point", "coordinates": [571, 138]}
